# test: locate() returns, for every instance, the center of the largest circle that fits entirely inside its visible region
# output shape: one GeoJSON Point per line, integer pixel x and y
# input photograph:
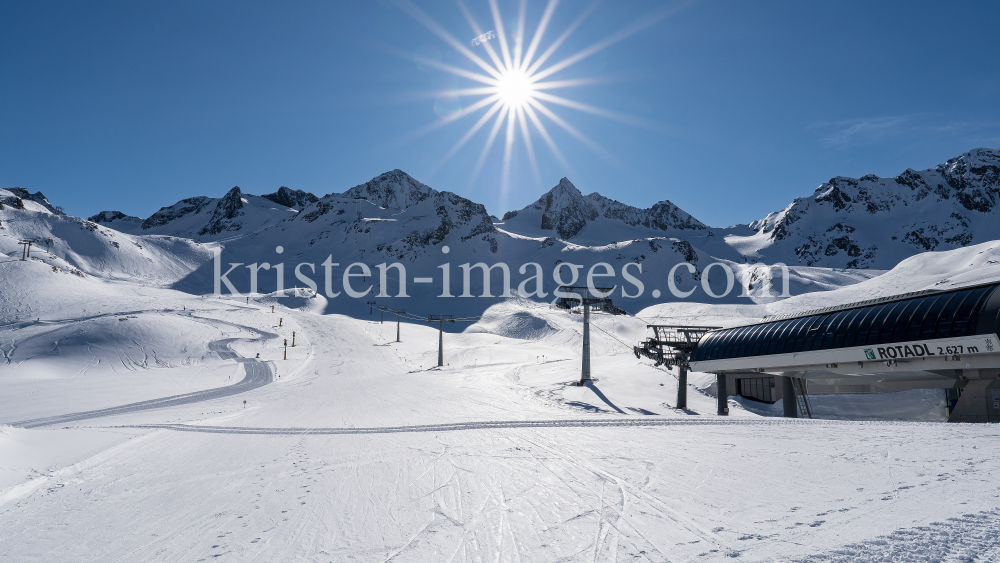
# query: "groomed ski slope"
{"type": "Point", "coordinates": [360, 450]}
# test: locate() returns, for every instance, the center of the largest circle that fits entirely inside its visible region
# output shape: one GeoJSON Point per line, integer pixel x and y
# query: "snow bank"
{"type": "Point", "coordinates": [299, 298]}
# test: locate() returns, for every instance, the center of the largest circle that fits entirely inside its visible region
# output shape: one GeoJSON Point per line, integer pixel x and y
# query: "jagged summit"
{"type": "Point", "coordinates": [662, 216]}
{"type": "Point", "coordinates": [16, 197]}
{"type": "Point", "coordinates": [869, 222]}
{"type": "Point", "coordinates": [226, 210]}
{"type": "Point", "coordinates": [206, 218]}
{"type": "Point", "coordinates": [116, 220]}
{"type": "Point", "coordinates": [875, 222]}
{"type": "Point", "coordinates": [110, 216]}
{"type": "Point", "coordinates": [296, 199]}
{"type": "Point", "coordinates": [398, 216]}
{"type": "Point", "coordinates": [394, 190]}
{"type": "Point", "coordinates": [567, 211]}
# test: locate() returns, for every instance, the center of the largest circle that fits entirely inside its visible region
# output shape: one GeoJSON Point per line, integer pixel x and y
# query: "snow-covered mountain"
{"type": "Point", "coordinates": [847, 231]}
{"type": "Point", "coordinates": [296, 199]}
{"type": "Point", "coordinates": [393, 190]}
{"type": "Point", "coordinates": [117, 220]}
{"type": "Point", "coordinates": [874, 222]}
{"type": "Point", "coordinates": [388, 219]}
{"type": "Point", "coordinates": [566, 212]}
{"type": "Point", "coordinates": [71, 245]}
{"type": "Point", "coordinates": [20, 198]}
{"type": "Point", "coordinates": [204, 218]}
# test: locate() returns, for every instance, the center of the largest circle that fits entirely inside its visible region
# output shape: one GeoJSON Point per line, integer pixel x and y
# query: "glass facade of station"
{"type": "Point", "coordinates": [939, 315]}
{"type": "Point", "coordinates": [757, 388]}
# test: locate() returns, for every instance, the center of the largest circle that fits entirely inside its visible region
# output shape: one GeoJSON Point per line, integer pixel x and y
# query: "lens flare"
{"type": "Point", "coordinates": [448, 106]}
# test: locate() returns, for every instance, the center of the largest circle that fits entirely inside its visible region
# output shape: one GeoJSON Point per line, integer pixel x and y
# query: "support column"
{"type": "Point", "coordinates": [441, 344]}
{"type": "Point", "coordinates": [723, 394]}
{"type": "Point", "coordinates": [980, 402]}
{"type": "Point", "coordinates": [682, 387]}
{"type": "Point", "coordinates": [585, 367]}
{"type": "Point", "coordinates": [397, 328]}
{"type": "Point", "coordinates": [788, 398]}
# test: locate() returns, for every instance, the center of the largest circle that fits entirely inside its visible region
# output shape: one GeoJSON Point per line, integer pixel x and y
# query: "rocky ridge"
{"type": "Point", "coordinates": [853, 223]}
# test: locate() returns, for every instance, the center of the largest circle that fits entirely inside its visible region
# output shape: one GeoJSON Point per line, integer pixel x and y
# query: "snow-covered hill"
{"type": "Point", "coordinates": [73, 245]}
{"type": "Point", "coordinates": [941, 270]}
{"type": "Point", "coordinates": [20, 198]}
{"type": "Point", "coordinates": [362, 448]}
{"type": "Point", "coordinates": [205, 218]}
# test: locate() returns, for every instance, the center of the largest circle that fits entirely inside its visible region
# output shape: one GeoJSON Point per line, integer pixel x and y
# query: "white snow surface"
{"type": "Point", "coordinates": [140, 422]}
{"type": "Point", "coordinates": [358, 448]}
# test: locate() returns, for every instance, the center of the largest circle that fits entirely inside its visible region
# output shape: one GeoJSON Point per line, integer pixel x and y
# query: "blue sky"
{"type": "Point", "coordinates": [727, 108]}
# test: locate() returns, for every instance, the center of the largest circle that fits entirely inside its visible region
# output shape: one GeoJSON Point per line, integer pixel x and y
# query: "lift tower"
{"type": "Point", "coordinates": [398, 313]}
{"type": "Point", "coordinates": [441, 319]}
{"type": "Point", "coordinates": [587, 297]}
{"type": "Point", "coordinates": [671, 346]}
{"type": "Point", "coordinates": [26, 250]}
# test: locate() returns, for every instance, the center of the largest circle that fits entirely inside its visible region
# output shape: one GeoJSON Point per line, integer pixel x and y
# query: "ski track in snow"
{"type": "Point", "coordinates": [258, 374]}
{"type": "Point", "coordinates": [501, 424]}
{"type": "Point", "coordinates": [969, 538]}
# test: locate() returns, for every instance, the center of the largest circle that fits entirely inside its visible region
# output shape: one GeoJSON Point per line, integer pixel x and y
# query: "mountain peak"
{"type": "Point", "coordinates": [845, 223]}
{"type": "Point", "coordinates": [565, 210]}
{"type": "Point", "coordinates": [288, 197]}
{"type": "Point", "coordinates": [227, 209]}
{"type": "Point", "coordinates": [36, 197]}
{"type": "Point", "coordinates": [117, 217]}
{"type": "Point", "coordinates": [394, 189]}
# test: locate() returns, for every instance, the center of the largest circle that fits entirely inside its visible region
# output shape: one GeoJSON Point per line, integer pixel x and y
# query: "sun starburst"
{"type": "Point", "coordinates": [514, 85]}
{"type": "Point", "coordinates": [515, 88]}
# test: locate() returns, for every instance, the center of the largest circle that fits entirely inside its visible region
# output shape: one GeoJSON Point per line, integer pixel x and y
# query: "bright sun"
{"type": "Point", "coordinates": [514, 85]}
{"type": "Point", "coordinates": [515, 88]}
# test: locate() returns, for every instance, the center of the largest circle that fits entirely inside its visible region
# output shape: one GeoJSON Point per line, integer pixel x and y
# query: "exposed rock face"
{"type": "Point", "coordinates": [180, 209]}
{"type": "Point", "coordinates": [109, 217]}
{"type": "Point", "coordinates": [663, 215]}
{"type": "Point", "coordinates": [869, 222]}
{"type": "Point", "coordinates": [228, 208]}
{"type": "Point", "coordinates": [851, 222]}
{"type": "Point", "coordinates": [394, 190]}
{"type": "Point", "coordinates": [565, 210]}
{"type": "Point", "coordinates": [403, 217]}
{"type": "Point", "coordinates": [11, 201]}
{"type": "Point", "coordinates": [36, 197]}
{"type": "Point", "coordinates": [568, 212]}
{"type": "Point", "coordinates": [296, 199]}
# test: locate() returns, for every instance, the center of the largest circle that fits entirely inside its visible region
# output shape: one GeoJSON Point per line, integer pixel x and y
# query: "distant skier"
{"type": "Point", "coordinates": [244, 403]}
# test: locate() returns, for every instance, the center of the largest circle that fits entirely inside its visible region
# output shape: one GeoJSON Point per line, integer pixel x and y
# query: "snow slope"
{"type": "Point", "coordinates": [85, 248]}
{"type": "Point", "coordinates": [140, 422]}
{"type": "Point", "coordinates": [363, 452]}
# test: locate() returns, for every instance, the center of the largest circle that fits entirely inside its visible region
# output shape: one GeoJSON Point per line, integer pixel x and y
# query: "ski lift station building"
{"type": "Point", "coordinates": [921, 340]}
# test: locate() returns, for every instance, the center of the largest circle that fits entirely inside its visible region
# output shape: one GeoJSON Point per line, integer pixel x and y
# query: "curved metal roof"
{"type": "Point", "coordinates": [922, 315]}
